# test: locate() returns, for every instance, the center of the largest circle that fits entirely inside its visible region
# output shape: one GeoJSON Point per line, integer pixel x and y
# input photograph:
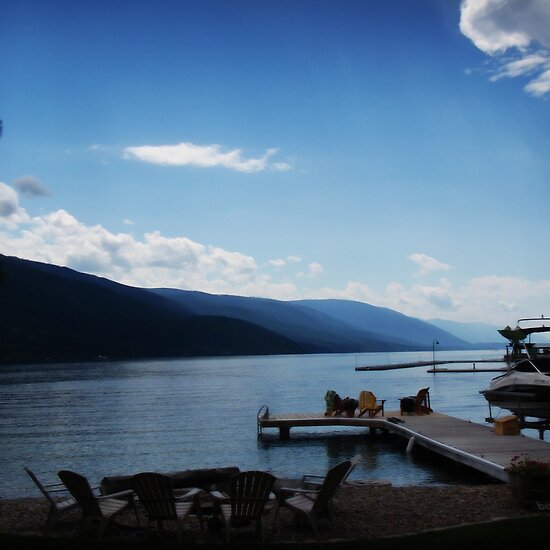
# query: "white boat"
{"type": "Point", "coordinates": [525, 388]}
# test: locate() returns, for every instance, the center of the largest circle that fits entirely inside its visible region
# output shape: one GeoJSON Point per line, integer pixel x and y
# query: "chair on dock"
{"type": "Point", "coordinates": [156, 493]}
{"type": "Point", "coordinates": [368, 404]}
{"type": "Point", "coordinates": [96, 509]}
{"type": "Point", "coordinates": [244, 499]}
{"type": "Point", "coordinates": [57, 496]}
{"type": "Point", "coordinates": [419, 404]}
{"type": "Point", "coordinates": [314, 504]}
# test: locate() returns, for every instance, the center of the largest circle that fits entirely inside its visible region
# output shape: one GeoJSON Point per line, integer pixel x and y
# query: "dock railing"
{"type": "Point", "coordinates": [262, 413]}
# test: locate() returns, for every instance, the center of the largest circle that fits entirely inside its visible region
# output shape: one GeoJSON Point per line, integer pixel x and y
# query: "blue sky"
{"type": "Point", "coordinates": [393, 152]}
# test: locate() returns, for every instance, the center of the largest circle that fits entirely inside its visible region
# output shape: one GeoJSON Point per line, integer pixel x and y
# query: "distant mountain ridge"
{"type": "Point", "coordinates": [52, 313]}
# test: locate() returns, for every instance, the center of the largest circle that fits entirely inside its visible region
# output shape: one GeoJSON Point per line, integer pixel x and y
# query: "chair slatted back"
{"type": "Point", "coordinates": [248, 493]}
{"type": "Point", "coordinates": [334, 478]}
{"type": "Point", "coordinates": [80, 488]}
{"type": "Point", "coordinates": [156, 493]}
{"type": "Point", "coordinates": [422, 398]}
{"type": "Point", "coordinates": [39, 485]}
{"type": "Point", "coordinates": [367, 400]}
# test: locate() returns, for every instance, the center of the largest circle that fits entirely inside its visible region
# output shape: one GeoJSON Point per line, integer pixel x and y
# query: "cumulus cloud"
{"type": "Point", "coordinates": [155, 260]}
{"type": "Point", "coordinates": [9, 203]}
{"type": "Point", "coordinates": [517, 28]}
{"type": "Point", "coordinates": [313, 270]}
{"type": "Point", "coordinates": [29, 185]}
{"type": "Point", "coordinates": [203, 156]}
{"type": "Point", "coordinates": [152, 260]}
{"type": "Point", "coordinates": [427, 264]}
{"type": "Point", "coordinates": [11, 213]}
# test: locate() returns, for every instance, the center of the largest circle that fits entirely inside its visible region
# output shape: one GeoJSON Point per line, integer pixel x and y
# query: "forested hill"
{"type": "Point", "coordinates": [52, 313]}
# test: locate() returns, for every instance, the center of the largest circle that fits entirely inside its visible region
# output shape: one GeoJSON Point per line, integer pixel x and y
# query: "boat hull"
{"type": "Point", "coordinates": [520, 403]}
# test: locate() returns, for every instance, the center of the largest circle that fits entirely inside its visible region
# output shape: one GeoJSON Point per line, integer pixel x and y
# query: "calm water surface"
{"type": "Point", "coordinates": [121, 418]}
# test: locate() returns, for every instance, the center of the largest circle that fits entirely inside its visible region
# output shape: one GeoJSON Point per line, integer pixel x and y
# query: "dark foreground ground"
{"type": "Point", "coordinates": [362, 516]}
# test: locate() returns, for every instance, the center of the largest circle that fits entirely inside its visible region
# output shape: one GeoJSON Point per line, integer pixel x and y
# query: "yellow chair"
{"type": "Point", "coordinates": [369, 404]}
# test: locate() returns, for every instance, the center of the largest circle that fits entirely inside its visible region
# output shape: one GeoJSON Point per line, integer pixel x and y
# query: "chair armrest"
{"type": "Point", "coordinates": [120, 494]}
{"type": "Point", "coordinates": [293, 490]}
{"type": "Point", "coordinates": [216, 495]}
{"type": "Point", "coordinates": [190, 494]}
{"type": "Point", "coordinates": [312, 476]}
{"type": "Point", "coordinates": [60, 490]}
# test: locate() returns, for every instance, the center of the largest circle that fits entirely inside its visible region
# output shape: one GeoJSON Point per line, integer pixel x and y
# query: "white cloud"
{"type": "Point", "coordinates": [427, 264]}
{"type": "Point", "coordinates": [154, 260]}
{"type": "Point", "coordinates": [11, 213]}
{"type": "Point", "coordinates": [204, 156]}
{"type": "Point", "coordinates": [29, 185]}
{"type": "Point", "coordinates": [283, 262]}
{"type": "Point", "coordinates": [313, 270]}
{"type": "Point", "coordinates": [9, 203]}
{"type": "Point", "coordinates": [151, 261]}
{"type": "Point", "coordinates": [541, 85]}
{"type": "Point", "coordinates": [518, 26]}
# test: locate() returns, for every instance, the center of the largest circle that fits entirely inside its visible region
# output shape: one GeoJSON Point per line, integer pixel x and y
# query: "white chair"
{"type": "Point", "coordinates": [57, 496]}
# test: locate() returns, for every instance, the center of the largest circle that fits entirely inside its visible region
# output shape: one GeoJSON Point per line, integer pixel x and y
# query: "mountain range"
{"type": "Point", "coordinates": [52, 313]}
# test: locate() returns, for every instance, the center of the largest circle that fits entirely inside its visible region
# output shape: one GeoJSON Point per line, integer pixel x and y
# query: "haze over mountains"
{"type": "Point", "coordinates": [51, 313]}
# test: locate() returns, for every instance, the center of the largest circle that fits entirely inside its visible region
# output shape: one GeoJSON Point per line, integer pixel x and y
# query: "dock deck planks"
{"type": "Point", "coordinates": [474, 445]}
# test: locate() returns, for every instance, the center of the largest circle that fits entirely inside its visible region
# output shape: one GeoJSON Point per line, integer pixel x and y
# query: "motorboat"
{"type": "Point", "coordinates": [525, 387]}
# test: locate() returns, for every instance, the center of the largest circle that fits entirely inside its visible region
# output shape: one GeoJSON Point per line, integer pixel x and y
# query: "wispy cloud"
{"type": "Point", "coordinates": [29, 185]}
{"type": "Point", "coordinates": [204, 156]}
{"type": "Point", "coordinates": [427, 264]}
{"type": "Point", "coordinates": [515, 34]}
{"type": "Point", "coordinates": [283, 262]}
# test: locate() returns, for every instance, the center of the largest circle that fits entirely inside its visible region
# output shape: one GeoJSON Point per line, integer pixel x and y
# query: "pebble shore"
{"type": "Point", "coordinates": [360, 511]}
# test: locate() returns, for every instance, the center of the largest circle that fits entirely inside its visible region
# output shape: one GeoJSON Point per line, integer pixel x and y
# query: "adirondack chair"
{"type": "Point", "coordinates": [419, 404]}
{"type": "Point", "coordinates": [368, 404]}
{"type": "Point", "coordinates": [312, 481]}
{"type": "Point", "coordinates": [156, 493]}
{"type": "Point", "coordinates": [314, 504]}
{"type": "Point", "coordinates": [244, 499]}
{"type": "Point", "coordinates": [57, 496]}
{"type": "Point", "coordinates": [96, 509]}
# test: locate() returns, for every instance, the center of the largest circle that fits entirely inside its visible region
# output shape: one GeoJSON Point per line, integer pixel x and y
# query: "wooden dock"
{"type": "Point", "coordinates": [466, 442]}
{"type": "Point", "coordinates": [430, 363]}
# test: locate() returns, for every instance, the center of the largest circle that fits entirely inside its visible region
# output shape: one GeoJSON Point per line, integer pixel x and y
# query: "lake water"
{"type": "Point", "coordinates": [125, 417]}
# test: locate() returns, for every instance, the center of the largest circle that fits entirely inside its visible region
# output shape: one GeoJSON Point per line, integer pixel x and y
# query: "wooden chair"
{"type": "Point", "coordinates": [156, 493]}
{"type": "Point", "coordinates": [244, 499]}
{"type": "Point", "coordinates": [57, 496]}
{"type": "Point", "coordinates": [314, 504]}
{"type": "Point", "coordinates": [312, 481]}
{"type": "Point", "coordinates": [369, 405]}
{"type": "Point", "coordinates": [96, 509]}
{"type": "Point", "coordinates": [419, 404]}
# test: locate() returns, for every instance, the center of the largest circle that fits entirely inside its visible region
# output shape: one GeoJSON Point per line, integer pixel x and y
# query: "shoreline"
{"type": "Point", "coordinates": [360, 511]}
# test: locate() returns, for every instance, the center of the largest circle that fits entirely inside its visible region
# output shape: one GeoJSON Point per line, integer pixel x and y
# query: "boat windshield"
{"type": "Point", "coordinates": [540, 365]}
